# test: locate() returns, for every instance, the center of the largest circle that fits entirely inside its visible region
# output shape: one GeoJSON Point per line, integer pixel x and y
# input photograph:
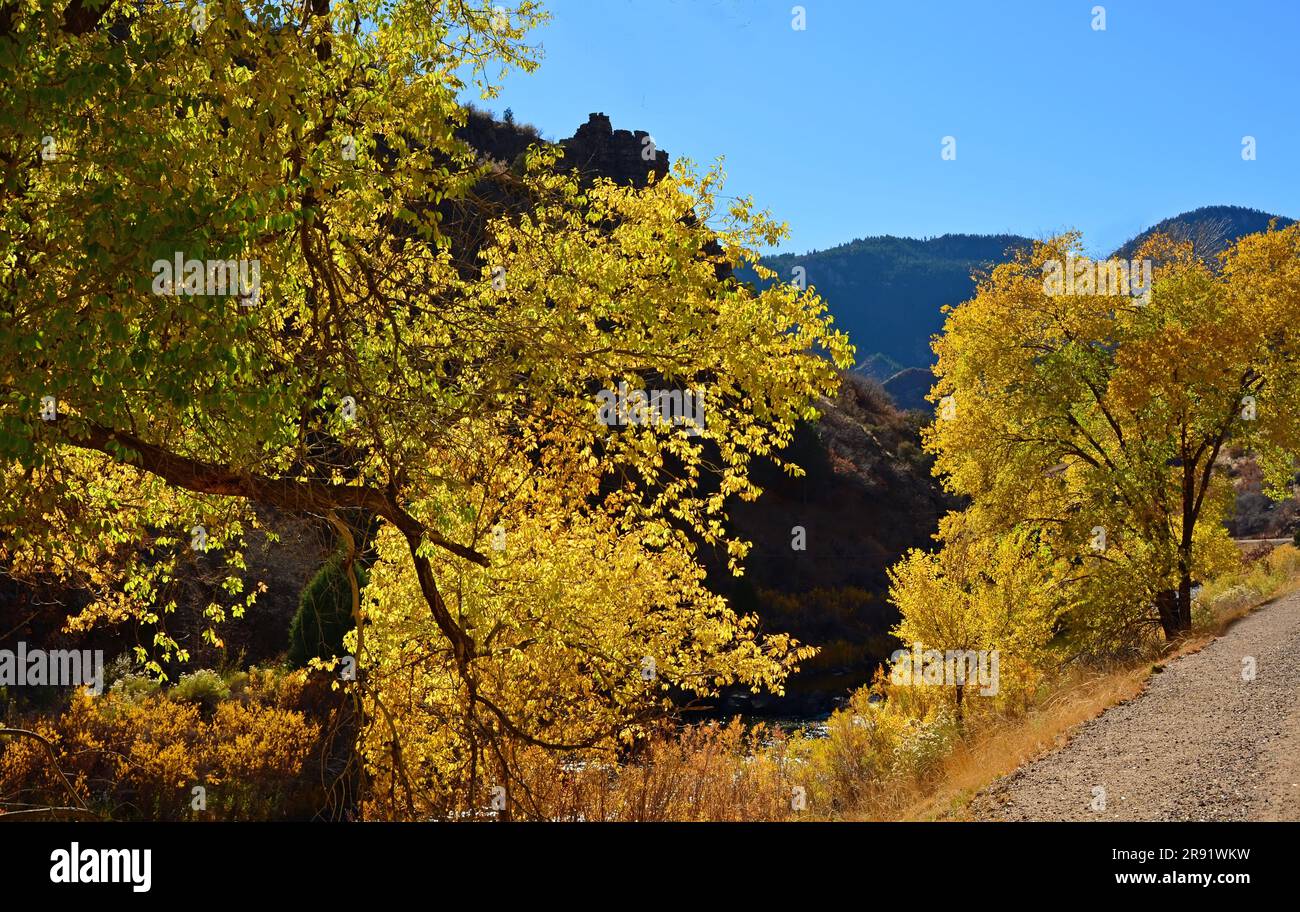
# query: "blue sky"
{"type": "Point", "coordinates": [837, 129]}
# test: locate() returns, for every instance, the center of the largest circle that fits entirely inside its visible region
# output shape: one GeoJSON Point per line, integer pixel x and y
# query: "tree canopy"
{"type": "Point", "coordinates": [419, 340]}
{"type": "Point", "coordinates": [1085, 431]}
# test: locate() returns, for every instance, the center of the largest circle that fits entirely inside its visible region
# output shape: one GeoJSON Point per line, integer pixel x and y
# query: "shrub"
{"type": "Point", "coordinates": [924, 745]}
{"type": "Point", "coordinates": [1257, 581]}
{"type": "Point", "coordinates": [324, 614]}
{"type": "Point", "coordinates": [135, 686]}
{"type": "Point", "coordinates": [133, 753]}
{"type": "Point", "coordinates": [204, 687]}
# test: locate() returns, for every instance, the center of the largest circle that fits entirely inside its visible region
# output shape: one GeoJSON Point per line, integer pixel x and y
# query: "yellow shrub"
{"type": "Point", "coordinates": [140, 756]}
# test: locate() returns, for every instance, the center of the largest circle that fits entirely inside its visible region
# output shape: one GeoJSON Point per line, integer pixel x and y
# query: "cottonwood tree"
{"type": "Point", "coordinates": [1095, 422]}
{"type": "Point", "coordinates": [423, 354]}
{"type": "Point", "coordinates": [980, 594]}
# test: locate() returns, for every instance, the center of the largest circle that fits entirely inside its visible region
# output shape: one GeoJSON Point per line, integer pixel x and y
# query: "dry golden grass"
{"type": "Point", "coordinates": [1003, 747]}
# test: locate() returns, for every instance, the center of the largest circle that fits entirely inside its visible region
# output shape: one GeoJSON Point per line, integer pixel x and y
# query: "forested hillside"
{"type": "Point", "coordinates": [887, 292]}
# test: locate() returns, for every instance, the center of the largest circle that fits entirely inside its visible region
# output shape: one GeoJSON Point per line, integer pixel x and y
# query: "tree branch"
{"type": "Point", "coordinates": [209, 478]}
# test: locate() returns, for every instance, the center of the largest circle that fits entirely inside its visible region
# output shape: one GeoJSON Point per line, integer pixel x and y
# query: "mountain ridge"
{"type": "Point", "coordinates": [888, 292]}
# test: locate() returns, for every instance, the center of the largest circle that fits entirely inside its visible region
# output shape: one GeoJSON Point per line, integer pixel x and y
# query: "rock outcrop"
{"type": "Point", "coordinates": [624, 156]}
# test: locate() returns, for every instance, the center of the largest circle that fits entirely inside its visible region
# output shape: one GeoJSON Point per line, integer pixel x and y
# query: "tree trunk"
{"type": "Point", "coordinates": [1175, 607]}
{"type": "Point", "coordinates": [1185, 597]}
{"type": "Point", "coordinates": [1170, 613]}
{"type": "Point", "coordinates": [1176, 604]}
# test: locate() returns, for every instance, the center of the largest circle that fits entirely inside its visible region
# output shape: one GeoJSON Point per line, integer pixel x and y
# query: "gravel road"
{"type": "Point", "coordinates": [1200, 743]}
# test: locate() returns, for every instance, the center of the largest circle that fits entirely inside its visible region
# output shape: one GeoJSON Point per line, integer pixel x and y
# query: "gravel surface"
{"type": "Point", "coordinates": [1200, 743]}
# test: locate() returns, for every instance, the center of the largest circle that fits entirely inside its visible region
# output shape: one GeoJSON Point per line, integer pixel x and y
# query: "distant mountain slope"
{"type": "Point", "coordinates": [877, 367]}
{"type": "Point", "coordinates": [1210, 228]}
{"type": "Point", "coordinates": [886, 292]}
{"type": "Point", "coordinates": [908, 388]}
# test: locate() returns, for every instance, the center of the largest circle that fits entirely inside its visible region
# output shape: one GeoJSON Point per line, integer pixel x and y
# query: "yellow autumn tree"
{"type": "Point", "coordinates": [980, 594]}
{"type": "Point", "coordinates": [426, 351]}
{"type": "Point", "coordinates": [1090, 423]}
